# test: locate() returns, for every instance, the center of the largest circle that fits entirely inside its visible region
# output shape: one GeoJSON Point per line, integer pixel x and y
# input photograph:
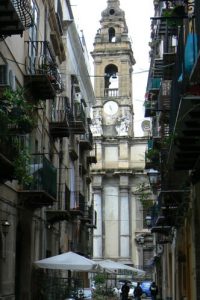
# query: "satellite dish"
{"type": "Point", "coordinates": [145, 125]}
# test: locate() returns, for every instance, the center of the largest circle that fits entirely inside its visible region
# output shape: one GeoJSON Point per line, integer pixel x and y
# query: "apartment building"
{"type": "Point", "coordinates": [45, 142]}
{"type": "Point", "coordinates": [172, 103]}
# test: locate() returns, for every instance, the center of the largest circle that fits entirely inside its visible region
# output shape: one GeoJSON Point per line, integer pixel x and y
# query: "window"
{"type": "Point", "coordinates": [111, 33]}
{"type": "Point", "coordinates": [33, 33]}
{"type": "Point", "coordinates": [111, 81]}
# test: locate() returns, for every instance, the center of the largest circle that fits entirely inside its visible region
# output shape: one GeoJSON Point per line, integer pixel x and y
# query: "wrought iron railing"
{"type": "Point", "coordinates": [77, 201]}
{"type": "Point", "coordinates": [24, 11]}
{"type": "Point", "coordinates": [87, 137]}
{"type": "Point", "coordinates": [60, 111]}
{"type": "Point", "coordinates": [41, 61]}
{"type": "Point", "coordinates": [44, 175]}
{"type": "Point", "coordinates": [79, 112]}
{"type": "Point", "coordinates": [179, 79]}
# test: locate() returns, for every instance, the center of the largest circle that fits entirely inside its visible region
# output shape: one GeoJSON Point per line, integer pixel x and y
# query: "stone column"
{"type": "Point", "coordinates": [98, 232]}
{"type": "Point", "coordinates": [124, 218]}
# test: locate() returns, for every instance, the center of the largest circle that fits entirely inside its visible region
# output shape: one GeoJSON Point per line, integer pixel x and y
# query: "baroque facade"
{"type": "Point", "coordinates": [117, 176]}
{"type": "Point", "coordinates": [45, 141]}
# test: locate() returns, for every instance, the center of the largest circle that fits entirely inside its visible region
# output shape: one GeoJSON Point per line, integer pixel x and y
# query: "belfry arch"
{"type": "Point", "coordinates": [111, 82]}
{"type": "Point", "coordinates": [111, 34]}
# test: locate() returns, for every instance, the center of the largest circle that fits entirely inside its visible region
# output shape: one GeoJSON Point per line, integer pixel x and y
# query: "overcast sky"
{"type": "Point", "coordinates": [87, 14]}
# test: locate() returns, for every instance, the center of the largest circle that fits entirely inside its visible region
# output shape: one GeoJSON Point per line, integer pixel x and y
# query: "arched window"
{"type": "Point", "coordinates": [111, 33]}
{"type": "Point", "coordinates": [111, 80]}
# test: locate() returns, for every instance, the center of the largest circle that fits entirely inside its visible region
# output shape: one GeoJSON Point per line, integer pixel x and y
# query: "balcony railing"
{"type": "Point", "coordinates": [43, 77]}
{"type": "Point", "coordinates": [57, 215]}
{"type": "Point", "coordinates": [184, 123]}
{"type": "Point", "coordinates": [150, 108]}
{"type": "Point", "coordinates": [42, 189]}
{"type": "Point", "coordinates": [92, 157]}
{"type": "Point", "coordinates": [77, 203]}
{"type": "Point", "coordinates": [15, 17]}
{"type": "Point", "coordinates": [77, 118]}
{"type": "Point", "coordinates": [154, 84]}
{"type": "Point", "coordinates": [59, 121]}
{"type": "Point", "coordinates": [111, 92]}
{"type": "Point", "coordinates": [86, 141]}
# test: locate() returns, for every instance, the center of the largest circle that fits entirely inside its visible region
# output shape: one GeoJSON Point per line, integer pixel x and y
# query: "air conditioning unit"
{"type": "Point", "coordinates": [7, 77]}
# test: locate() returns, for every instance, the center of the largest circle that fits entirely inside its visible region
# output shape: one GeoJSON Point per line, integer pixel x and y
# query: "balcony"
{"type": "Point", "coordinates": [41, 191]}
{"type": "Point", "coordinates": [77, 119]}
{"type": "Point", "coordinates": [184, 151]}
{"type": "Point", "coordinates": [15, 17]}
{"type": "Point", "coordinates": [157, 68]}
{"type": "Point", "coordinates": [92, 158]}
{"type": "Point", "coordinates": [59, 122]}
{"type": "Point", "coordinates": [86, 141]}
{"type": "Point", "coordinates": [164, 96]}
{"type": "Point", "coordinates": [151, 97]}
{"type": "Point", "coordinates": [170, 210]}
{"type": "Point", "coordinates": [78, 204]}
{"type": "Point", "coordinates": [42, 78]}
{"type": "Point", "coordinates": [57, 215]}
{"type": "Point", "coordinates": [150, 108]}
{"type": "Point", "coordinates": [160, 224]}
{"type": "Point", "coordinates": [170, 20]}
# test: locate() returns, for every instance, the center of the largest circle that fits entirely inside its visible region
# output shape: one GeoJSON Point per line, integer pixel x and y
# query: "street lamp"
{"type": "Point", "coordinates": [154, 177]}
{"type": "Point", "coordinates": [148, 221]}
{"type": "Point", "coordinates": [5, 224]}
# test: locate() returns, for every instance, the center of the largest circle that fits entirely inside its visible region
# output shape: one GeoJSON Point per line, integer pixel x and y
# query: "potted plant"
{"type": "Point", "coordinates": [21, 167]}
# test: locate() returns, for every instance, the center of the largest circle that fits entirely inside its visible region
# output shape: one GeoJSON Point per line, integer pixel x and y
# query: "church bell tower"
{"type": "Point", "coordinates": [113, 177]}
{"type": "Point", "coordinates": [113, 61]}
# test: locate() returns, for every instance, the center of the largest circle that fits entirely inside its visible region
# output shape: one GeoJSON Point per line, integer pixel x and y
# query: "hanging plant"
{"type": "Point", "coordinates": [144, 196]}
{"type": "Point", "coordinates": [17, 112]}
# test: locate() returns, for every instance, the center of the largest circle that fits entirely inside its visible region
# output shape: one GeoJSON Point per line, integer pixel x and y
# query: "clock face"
{"type": "Point", "coordinates": [111, 107]}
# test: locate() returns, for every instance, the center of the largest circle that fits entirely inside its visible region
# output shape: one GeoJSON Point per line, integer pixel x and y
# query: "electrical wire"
{"type": "Point", "coordinates": [62, 73]}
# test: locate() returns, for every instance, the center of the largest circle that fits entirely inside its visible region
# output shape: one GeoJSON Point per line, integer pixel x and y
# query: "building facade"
{"type": "Point", "coordinates": [45, 142]}
{"type": "Point", "coordinates": [172, 103]}
{"type": "Point", "coordinates": [120, 156]}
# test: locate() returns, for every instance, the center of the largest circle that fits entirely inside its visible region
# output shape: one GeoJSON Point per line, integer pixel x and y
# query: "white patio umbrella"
{"type": "Point", "coordinates": [114, 267]}
{"type": "Point", "coordinates": [67, 261]}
